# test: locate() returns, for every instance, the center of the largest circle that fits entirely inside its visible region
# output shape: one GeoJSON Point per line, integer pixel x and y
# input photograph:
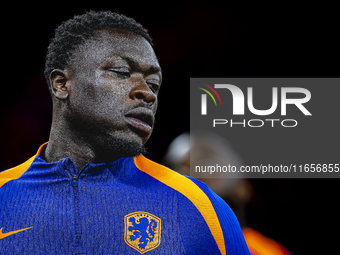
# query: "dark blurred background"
{"type": "Point", "coordinates": [191, 39]}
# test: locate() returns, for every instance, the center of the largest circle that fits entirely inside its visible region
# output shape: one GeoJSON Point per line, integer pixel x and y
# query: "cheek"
{"type": "Point", "coordinates": [107, 84]}
{"type": "Point", "coordinates": [98, 100]}
{"type": "Point", "coordinates": [105, 89]}
{"type": "Point", "coordinates": [109, 96]}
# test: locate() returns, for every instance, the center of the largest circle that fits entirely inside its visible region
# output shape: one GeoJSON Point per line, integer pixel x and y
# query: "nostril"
{"type": "Point", "coordinates": [139, 95]}
{"type": "Point", "coordinates": [143, 95]}
{"type": "Point", "coordinates": [151, 101]}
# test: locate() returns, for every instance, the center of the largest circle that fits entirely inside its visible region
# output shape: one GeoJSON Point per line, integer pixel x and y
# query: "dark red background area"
{"type": "Point", "coordinates": [191, 39]}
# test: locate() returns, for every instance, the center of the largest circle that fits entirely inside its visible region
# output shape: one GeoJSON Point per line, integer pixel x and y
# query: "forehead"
{"type": "Point", "coordinates": [111, 43]}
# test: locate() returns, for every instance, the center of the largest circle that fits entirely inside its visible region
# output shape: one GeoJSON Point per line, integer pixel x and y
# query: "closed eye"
{"type": "Point", "coordinates": [154, 86]}
{"type": "Point", "coordinates": [121, 73]}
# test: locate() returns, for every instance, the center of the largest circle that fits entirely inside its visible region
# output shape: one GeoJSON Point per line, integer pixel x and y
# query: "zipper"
{"type": "Point", "coordinates": [76, 203]}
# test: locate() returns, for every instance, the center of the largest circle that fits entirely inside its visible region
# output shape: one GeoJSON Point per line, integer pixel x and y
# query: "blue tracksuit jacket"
{"type": "Point", "coordinates": [129, 206]}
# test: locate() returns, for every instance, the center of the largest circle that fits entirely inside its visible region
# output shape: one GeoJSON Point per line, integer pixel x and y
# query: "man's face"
{"type": "Point", "coordinates": [113, 87]}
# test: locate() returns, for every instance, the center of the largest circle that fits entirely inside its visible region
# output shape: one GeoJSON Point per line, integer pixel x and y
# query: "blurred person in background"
{"type": "Point", "coordinates": [203, 148]}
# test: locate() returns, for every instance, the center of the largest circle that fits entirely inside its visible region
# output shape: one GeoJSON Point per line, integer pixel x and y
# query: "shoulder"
{"type": "Point", "coordinates": [195, 190]}
{"type": "Point", "coordinates": [218, 216]}
{"type": "Point", "coordinates": [15, 172]}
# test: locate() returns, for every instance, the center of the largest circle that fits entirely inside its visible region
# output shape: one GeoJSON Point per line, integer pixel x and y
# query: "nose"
{"type": "Point", "coordinates": [142, 92]}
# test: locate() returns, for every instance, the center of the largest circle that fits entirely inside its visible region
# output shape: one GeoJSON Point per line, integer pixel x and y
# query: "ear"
{"type": "Point", "coordinates": [58, 81]}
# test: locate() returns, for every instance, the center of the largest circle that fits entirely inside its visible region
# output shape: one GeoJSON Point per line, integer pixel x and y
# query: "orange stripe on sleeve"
{"type": "Point", "coordinates": [16, 172]}
{"type": "Point", "coordinates": [190, 190]}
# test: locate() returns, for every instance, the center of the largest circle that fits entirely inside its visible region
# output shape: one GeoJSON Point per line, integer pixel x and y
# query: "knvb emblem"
{"type": "Point", "coordinates": [142, 231]}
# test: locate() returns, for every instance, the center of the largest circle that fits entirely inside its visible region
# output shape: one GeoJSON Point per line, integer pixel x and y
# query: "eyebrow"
{"type": "Point", "coordinates": [136, 65]}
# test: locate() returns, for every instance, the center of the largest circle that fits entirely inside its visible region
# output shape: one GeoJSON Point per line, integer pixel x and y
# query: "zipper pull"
{"type": "Point", "coordinates": [75, 180]}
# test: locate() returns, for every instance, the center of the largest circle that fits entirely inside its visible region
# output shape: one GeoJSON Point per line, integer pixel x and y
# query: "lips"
{"type": "Point", "coordinates": [140, 120]}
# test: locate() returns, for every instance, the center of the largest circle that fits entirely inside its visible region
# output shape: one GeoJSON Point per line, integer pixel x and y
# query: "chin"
{"type": "Point", "coordinates": [124, 144]}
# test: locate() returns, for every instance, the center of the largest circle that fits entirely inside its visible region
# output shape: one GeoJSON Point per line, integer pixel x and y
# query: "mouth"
{"type": "Point", "coordinates": [140, 120]}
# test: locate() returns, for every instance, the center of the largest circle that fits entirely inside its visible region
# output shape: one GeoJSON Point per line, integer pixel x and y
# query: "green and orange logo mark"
{"type": "Point", "coordinates": [204, 97]}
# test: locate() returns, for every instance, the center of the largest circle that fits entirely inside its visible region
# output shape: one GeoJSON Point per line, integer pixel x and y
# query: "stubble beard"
{"type": "Point", "coordinates": [117, 145]}
{"type": "Point", "coordinates": [109, 145]}
{"type": "Point", "coordinates": [125, 146]}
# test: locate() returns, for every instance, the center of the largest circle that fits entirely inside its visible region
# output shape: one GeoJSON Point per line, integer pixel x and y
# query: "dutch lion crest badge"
{"type": "Point", "coordinates": [142, 231]}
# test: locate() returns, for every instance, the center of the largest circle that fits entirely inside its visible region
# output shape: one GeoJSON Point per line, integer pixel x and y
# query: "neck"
{"type": "Point", "coordinates": [66, 142]}
{"type": "Point", "coordinates": [64, 145]}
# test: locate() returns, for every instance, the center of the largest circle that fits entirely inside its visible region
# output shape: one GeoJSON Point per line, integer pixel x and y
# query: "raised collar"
{"type": "Point", "coordinates": [68, 164]}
